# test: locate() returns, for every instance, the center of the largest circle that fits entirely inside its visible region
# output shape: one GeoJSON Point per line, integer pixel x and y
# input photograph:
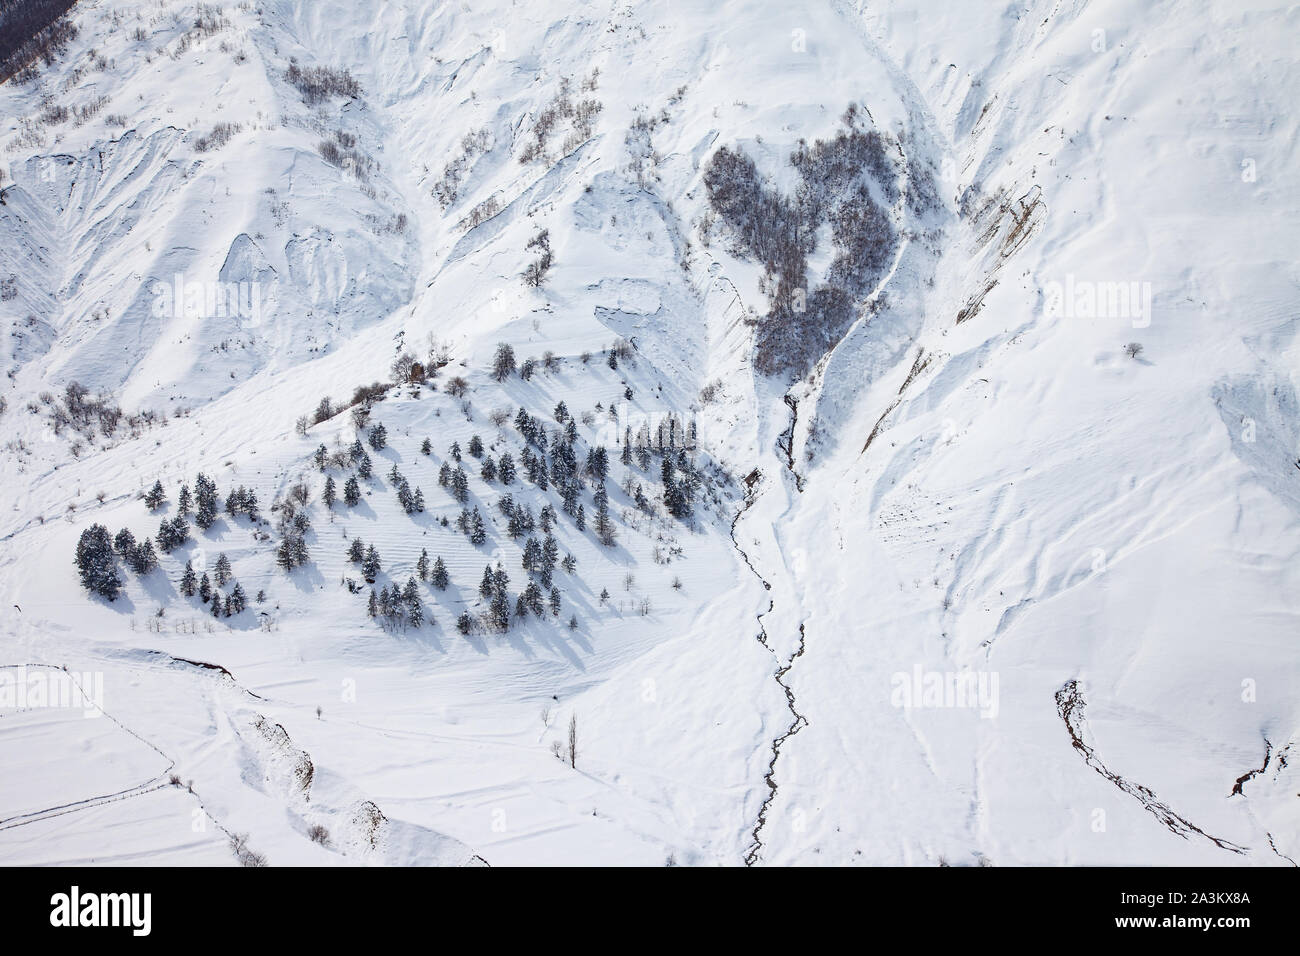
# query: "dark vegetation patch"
{"type": "Point", "coordinates": [319, 83]}
{"type": "Point", "coordinates": [32, 31]}
{"type": "Point", "coordinates": [780, 231]}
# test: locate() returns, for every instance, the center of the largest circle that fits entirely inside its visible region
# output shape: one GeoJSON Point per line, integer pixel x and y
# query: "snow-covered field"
{"type": "Point", "coordinates": [1051, 459]}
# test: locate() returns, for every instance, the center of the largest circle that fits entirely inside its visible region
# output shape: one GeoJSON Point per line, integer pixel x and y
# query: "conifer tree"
{"type": "Point", "coordinates": [143, 559]}
{"type": "Point", "coordinates": [222, 570]}
{"type": "Point", "coordinates": [205, 492]}
{"type": "Point", "coordinates": [370, 564]}
{"type": "Point", "coordinates": [532, 557]}
{"type": "Point", "coordinates": [189, 580]}
{"type": "Point", "coordinates": [499, 611]}
{"type": "Point", "coordinates": [459, 485]}
{"type": "Point", "coordinates": [438, 576]}
{"type": "Point", "coordinates": [604, 526]}
{"type": "Point", "coordinates": [155, 498]}
{"type": "Point", "coordinates": [96, 564]}
{"type": "Point", "coordinates": [536, 601]}
{"type": "Point", "coordinates": [598, 464]}
{"type": "Point", "coordinates": [477, 532]}
{"type": "Point", "coordinates": [506, 469]}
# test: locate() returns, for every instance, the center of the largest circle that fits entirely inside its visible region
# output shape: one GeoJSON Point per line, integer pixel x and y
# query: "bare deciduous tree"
{"type": "Point", "coordinates": [573, 741]}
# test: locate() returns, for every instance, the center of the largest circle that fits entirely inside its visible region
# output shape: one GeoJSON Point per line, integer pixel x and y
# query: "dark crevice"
{"type": "Point", "coordinates": [797, 723]}
{"type": "Point", "coordinates": [1070, 705]}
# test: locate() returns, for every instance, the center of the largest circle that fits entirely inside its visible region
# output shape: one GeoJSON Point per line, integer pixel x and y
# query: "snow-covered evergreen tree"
{"type": "Point", "coordinates": [438, 576]}
{"type": "Point", "coordinates": [189, 580]}
{"type": "Point", "coordinates": [156, 496]}
{"type": "Point", "coordinates": [96, 564]}
{"type": "Point", "coordinates": [370, 564]}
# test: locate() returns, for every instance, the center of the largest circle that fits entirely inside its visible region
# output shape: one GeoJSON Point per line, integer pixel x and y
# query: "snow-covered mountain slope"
{"type": "Point", "coordinates": [949, 465]}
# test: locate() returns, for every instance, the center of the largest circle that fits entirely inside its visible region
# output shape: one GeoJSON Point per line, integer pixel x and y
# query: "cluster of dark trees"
{"type": "Point", "coordinates": [549, 456]}
{"type": "Point", "coordinates": [139, 556]}
{"type": "Point", "coordinates": [412, 502]}
{"type": "Point", "coordinates": [398, 608]}
{"type": "Point", "coordinates": [243, 501]}
{"type": "Point", "coordinates": [535, 273]}
{"type": "Point", "coordinates": [173, 533]}
{"type": "Point", "coordinates": [233, 603]}
{"type": "Point", "coordinates": [494, 588]}
{"type": "Point", "coordinates": [96, 563]}
{"type": "Point", "coordinates": [97, 555]}
{"type": "Point", "coordinates": [455, 481]}
{"type": "Point", "coordinates": [84, 413]}
{"type": "Point", "coordinates": [319, 83]}
{"type": "Point", "coordinates": [531, 600]}
{"type": "Point", "coordinates": [367, 556]}
{"type": "Point", "coordinates": [470, 523]}
{"type": "Point", "coordinates": [31, 31]}
{"type": "Point", "coordinates": [779, 231]}
{"type": "Point", "coordinates": [292, 524]}
{"type": "Point", "coordinates": [206, 502]}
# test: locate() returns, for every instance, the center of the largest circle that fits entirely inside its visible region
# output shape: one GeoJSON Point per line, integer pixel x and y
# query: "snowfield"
{"type": "Point", "coordinates": [1006, 572]}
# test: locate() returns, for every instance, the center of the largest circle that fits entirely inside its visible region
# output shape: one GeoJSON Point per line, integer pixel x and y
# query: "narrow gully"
{"type": "Point", "coordinates": [785, 442]}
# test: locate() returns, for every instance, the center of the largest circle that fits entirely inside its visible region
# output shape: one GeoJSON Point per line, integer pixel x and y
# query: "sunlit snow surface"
{"type": "Point", "coordinates": [1111, 541]}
